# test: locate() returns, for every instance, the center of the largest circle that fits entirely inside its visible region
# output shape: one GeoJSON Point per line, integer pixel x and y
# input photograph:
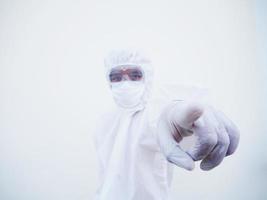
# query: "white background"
{"type": "Point", "coordinates": [52, 88]}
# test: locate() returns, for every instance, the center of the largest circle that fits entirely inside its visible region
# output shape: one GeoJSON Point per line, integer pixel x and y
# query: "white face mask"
{"type": "Point", "coordinates": [128, 94]}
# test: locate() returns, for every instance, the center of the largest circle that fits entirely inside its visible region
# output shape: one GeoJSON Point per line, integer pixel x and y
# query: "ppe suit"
{"type": "Point", "coordinates": [134, 163]}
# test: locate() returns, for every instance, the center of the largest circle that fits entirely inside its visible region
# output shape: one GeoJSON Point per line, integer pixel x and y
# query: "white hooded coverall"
{"type": "Point", "coordinates": [132, 166]}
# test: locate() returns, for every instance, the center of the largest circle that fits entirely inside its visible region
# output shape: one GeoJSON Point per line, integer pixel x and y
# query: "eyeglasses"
{"type": "Point", "coordinates": [133, 74]}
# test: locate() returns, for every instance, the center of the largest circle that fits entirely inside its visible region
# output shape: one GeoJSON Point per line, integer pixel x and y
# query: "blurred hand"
{"type": "Point", "coordinates": [216, 135]}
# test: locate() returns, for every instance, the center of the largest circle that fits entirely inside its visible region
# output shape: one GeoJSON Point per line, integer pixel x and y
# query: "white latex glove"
{"type": "Point", "coordinates": [216, 136]}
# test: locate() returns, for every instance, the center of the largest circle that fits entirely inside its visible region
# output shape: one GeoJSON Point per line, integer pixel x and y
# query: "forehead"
{"type": "Point", "coordinates": [125, 67]}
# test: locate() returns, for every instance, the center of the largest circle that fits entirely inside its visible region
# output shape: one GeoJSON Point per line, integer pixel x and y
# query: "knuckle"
{"type": "Point", "coordinates": [233, 133]}
{"type": "Point", "coordinates": [223, 138]}
{"type": "Point", "coordinates": [210, 140]}
{"type": "Point", "coordinates": [236, 135]}
{"type": "Point", "coordinates": [224, 141]}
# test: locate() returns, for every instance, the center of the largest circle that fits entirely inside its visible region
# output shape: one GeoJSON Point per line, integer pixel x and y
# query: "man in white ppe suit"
{"type": "Point", "coordinates": [139, 142]}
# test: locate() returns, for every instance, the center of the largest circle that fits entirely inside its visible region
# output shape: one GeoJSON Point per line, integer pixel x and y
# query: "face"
{"type": "Point", "coordinates": [129, 73]}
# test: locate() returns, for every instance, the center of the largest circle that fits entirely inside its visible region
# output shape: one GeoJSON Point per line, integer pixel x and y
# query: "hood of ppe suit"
{"type": "Point", "coordinates": [130, 94]}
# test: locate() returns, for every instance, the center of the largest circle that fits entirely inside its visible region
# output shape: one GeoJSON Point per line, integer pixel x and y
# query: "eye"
{"type": "Point", "coordinates": [136, 75]}
{"type": "Point", "coordinates": [115, 77]}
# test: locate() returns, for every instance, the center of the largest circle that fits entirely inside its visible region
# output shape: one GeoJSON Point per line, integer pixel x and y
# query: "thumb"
{"type": "Point", "coordinates": [180, 158]}
{"type": "Point", "coordinates": [171, 149]}
{"type": "Point", "coordinates": [187, 113]}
